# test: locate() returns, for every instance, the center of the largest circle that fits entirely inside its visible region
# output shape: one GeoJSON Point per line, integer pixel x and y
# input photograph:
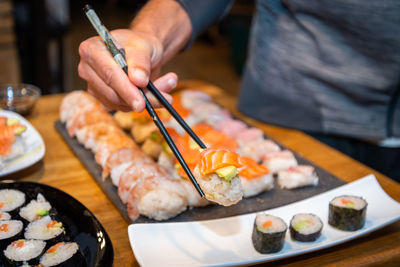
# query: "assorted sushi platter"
{"type": "Point", "coordinates": [325, 220]}
{"type": "Point", "coordinates": [21, 145]}
{"type": "Point", "coordinates": [242, 170]}
{"type": "Point", "coordinates": [43, 226]}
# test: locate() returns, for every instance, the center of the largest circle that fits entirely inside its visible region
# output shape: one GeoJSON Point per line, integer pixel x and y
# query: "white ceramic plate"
{"type": "Point", "coordinates": [227, 242]}
{"type": "Point", "coordinates": [34, 147]}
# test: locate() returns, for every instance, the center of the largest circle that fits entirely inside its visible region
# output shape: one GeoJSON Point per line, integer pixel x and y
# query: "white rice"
{"type": "Point", "coordinates": [359, 203]}
{"type": "Point", "coordinates": [117, 171]}
{"type": "Point", "coordinates": [277, 226]}
{"type": "Point", "coordinates": [254, 186]}
{"type": "Point", "coordinates": [30, 211]}
{"type": "Point", "coordinates": [219, 190]}
{"type": "Point", "coordinates": [297, 176]}
{"type": "Point", "coordinates": [38, 229]}
{"type": "Point", "coordinates": [30, 250]}
{"type": "Point", "coordinates": [14, 227]}
{"type": "Point", "coordinates": [64, 252]}
{"type": "Point", "coordinates": [11, 199]}
{"type": "Point", "coordinates": [312, 223]}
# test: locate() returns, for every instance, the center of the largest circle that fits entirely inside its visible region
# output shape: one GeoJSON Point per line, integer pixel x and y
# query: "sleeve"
{"type": "Point", "coordinates": [203, 13]}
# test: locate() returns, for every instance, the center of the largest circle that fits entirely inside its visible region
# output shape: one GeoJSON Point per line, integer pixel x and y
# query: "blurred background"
{"type": "Point", "coordinates": [39, 42]}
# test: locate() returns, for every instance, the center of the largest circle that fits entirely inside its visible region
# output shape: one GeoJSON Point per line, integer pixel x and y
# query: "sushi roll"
{"type": "Point", "coordinates": [305, 227]}
{"type": "Point", "coordinates": [22, 252]}
{"type": "Point", "coordinates": [45, 229]}
{"type": "Point", "coordinates": [268, 233]}
{"type": "Point", "coordinates": [63, 254]}
{"type": "Point", "coordinates": [10, 230]}
{"type": "Point", "coordinates": [297, 176]}
{"type": "Point", "coordinates": [36, 209]}
{"type": "Point", "coordinates": [4, 216]}
{"type": "Point", "coordinates": [11, 200]}
{"type": "Point", "coordinates": [347, 212]}
{"type": "Point", "coordinates": [217, 175]}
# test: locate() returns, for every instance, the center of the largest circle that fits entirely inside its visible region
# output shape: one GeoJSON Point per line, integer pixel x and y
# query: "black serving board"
{"type": "Point", "coordinates": [274, 198]}
{"type": "Point", "coordinates": [81, 226]}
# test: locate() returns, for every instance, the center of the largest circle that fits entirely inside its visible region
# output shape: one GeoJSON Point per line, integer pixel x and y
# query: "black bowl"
{"type": "Point", "coordinates": [80, 224]}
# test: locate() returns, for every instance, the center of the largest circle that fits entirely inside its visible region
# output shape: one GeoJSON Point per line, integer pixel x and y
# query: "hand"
{"type": "Point", "coordinates": [108, 82]}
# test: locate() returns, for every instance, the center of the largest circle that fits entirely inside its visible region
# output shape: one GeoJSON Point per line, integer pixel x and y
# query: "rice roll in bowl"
{"type": "Point", "coordinates": [63, 254]}
{"type": "Point", "coordinates": [268, 233]}
{"type": "Point", "coordinates": [305, 227]}
{"type": "Point", "coordinates": [11, 200]}
{"type": "Point", "coordinates": [45, 229]}
{"type": "Point", "coordinates": [23, 251]}
{"type": "Point", "coordinates": [347, 212]}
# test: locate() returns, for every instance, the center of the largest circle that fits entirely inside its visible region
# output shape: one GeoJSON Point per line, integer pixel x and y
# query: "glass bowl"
{"type": "Point", "coordinates": [20, 98]}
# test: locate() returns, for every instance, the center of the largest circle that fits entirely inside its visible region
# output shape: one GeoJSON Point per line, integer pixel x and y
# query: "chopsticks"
{"type": "Point", "coordinates": [119, 56]}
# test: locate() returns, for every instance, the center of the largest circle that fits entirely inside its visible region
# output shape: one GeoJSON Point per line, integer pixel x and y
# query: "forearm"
{"type": "Point", "coordinates": [167, 21]}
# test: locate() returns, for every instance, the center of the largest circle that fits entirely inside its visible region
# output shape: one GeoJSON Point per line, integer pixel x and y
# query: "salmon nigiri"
{"type": "Point", "coordinates": [217, 175]}
{"type": "Point", "coordinates": [255, 178]}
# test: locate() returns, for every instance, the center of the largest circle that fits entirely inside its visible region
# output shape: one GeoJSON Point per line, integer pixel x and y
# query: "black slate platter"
{"type": "Point", "coordinates": [81, 226]}
{"type": "Point", "coordinates": [274, 198]}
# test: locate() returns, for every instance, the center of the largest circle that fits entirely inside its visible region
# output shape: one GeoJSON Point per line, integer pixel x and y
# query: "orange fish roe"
{"type": "Point", "coordinates": [4, 228]}
{"type": "Point", "coordinates": [345, 201]}
{"type": "Point", "coordinates": [51, 224]}
{"type": "Point", "coordinates": [18, 243]}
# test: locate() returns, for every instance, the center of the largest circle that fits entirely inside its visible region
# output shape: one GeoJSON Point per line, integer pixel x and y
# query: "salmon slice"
{"type": "Point", "coordinates": [7, 137]}
{"type": "Point", "coordinates": [251, 169]}
{"type": "Point", "coordinates": [214, 138]}
{"type": "Point", "coordinates": [214, 159]}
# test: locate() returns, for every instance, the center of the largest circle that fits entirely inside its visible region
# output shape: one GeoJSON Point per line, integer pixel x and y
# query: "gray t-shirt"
{"type": "Point", "coordinates": [330, 66]}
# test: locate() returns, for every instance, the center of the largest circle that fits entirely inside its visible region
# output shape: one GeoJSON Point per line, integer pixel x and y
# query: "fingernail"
{"type": "Point", "coordinates": [135, 105]}
{"type": "Point", "coordinates": [172, 83]}
{"type": "Point", "coordinates": [139, 74]}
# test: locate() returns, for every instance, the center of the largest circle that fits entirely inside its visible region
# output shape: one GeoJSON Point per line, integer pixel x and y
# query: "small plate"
{"type": "Point", "coordinates": [80, 224]}
{"type": "Point", "coordinates": [227, 242]}
{"type": "Point", "coordinates": [34, 147]}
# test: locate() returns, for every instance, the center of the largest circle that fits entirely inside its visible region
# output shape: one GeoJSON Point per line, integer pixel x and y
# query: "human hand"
{"type": "Point", "coordinates": [108, 82]}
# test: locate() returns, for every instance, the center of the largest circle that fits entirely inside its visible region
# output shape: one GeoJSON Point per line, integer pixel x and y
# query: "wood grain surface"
{"type": "Point", "coordinates": [61, 169]}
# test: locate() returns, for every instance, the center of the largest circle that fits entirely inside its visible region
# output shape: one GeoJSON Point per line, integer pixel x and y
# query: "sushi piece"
{"type": "Point", "coordinates": [10, 230]}
{"type": "Point", "coordinates": [63, 254]}
{"type": "Point", "coordinates": [12, 144]}
{"type": "Point", "coordinates": [305, 227]}
{"type": "Point", "coordinates": [231, 127]}
{"type": "Point", "coordinates": [258, 148]}
{"type": "Point", "coordinates": [152, 146]}
{"type": "Point", "coordinates": [217, 175]}
{"type": "Point", "coordinates": [268, 233]}
{"type": "Point", "coordinates": [297, 176]}
{"type": "Point", "coordinates": [124, 119]}
{"type": "Point", "coordinates": [279, 160]}
{"type": "Point", "coordinates": [45, 229]}
{"type": "Point", "coordinates": [255, 178]}
{"type": "Point", "coordinates": [23, 252]}
{"type": "Point", "coordinates": [4, 216]}
{"type": "Point", "coordinates": [140, 132]}
{"type": "Point", "coordinates": [11, 200]}
{"type": "Point", "coordinates": [347, 212]}
{"type": "Point", "coordinates": [36, 209]}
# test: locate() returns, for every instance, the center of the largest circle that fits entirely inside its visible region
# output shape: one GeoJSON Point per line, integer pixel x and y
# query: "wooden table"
{"type": "Point", "coordinates": [61, 169]}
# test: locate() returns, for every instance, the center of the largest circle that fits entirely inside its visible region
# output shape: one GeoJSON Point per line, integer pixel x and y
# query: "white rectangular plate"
{"type": "Point", "coordinates": [34, 147]}
{"type": "Point", "coordinates": [227, 241]}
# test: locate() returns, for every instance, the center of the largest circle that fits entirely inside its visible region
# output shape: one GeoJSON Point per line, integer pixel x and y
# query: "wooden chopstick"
{"type": "Point", "coordinates": [119, 57]}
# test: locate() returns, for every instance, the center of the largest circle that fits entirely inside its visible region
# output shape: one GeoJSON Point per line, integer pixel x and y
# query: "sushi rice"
{"type": "Point", "coordinates": [36, 209]}
{"type": "Point", "coordinates": [24, 250]}
{"type": "Point", "coordinates": [11, 199]}
{"type": "Point", "coordinates": [44, 229]}
{"type": "Point", "coordinates": [59, 253]}
{"type": "Point", "coordinates": [10, 228]}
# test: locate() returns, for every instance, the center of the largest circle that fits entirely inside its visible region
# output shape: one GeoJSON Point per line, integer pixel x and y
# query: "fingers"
{"type": "Point", "coordinates": [107, 74]}
{"type": "Point", "coordinates": [164, 84]}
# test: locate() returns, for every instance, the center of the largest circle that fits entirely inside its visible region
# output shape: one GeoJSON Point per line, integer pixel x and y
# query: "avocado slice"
{"type": "Point", "coordinates": [193, 145]}
{"type": "Point", "coordinates": [42, 212]}
{"type": "Point", "coordinates": [227, 173]}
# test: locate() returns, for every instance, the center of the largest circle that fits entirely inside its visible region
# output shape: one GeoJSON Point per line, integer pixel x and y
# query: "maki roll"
{"type": "Point", "coordinates": [4, 216]}
{"type": "Point", "coordinates": [11, 200]}
{"type": "Point", "coordinates": [305, 227]}
{"type": "Point", "coordinates": [62, 254]}
{"type": "Point", "coordinates": [347, 212]}
{"type": "Point", "coordinates": [268, 233]}
{"type": "Point", "coordinates": [45, 229]}
{"type": "Point", "coordinates": [22, 252]}
{"type": "Point", "coordinates": [10, 230]}
{"type": "Point", "coordinates": [36, 209]}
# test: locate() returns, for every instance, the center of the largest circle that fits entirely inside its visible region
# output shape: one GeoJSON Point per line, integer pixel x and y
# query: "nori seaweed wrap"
{"type": "Point", "coordinates": [305, 227]}
{"type": "Point", "coordinates": [347, 212]}
{"type": "Point", "coordinates": [22, 252]}
{"type": "Point", "coordinates": [10, 230]}
{"type": "Point", "coordinates": [268, 233]}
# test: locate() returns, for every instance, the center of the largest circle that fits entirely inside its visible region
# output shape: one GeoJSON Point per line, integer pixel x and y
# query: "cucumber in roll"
{"type": "Point", "coordinates": [305, 227]}
{"type": "Point", "coordinates": [347, 212]}
{"type": "Point", "coordinates": [268, 233]}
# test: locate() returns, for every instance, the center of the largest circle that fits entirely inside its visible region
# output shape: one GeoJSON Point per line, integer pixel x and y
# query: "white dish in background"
{"type": "Point", "coordinates": [34, 147]}
{"type": "Point", "coordinates": [227, 241]}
